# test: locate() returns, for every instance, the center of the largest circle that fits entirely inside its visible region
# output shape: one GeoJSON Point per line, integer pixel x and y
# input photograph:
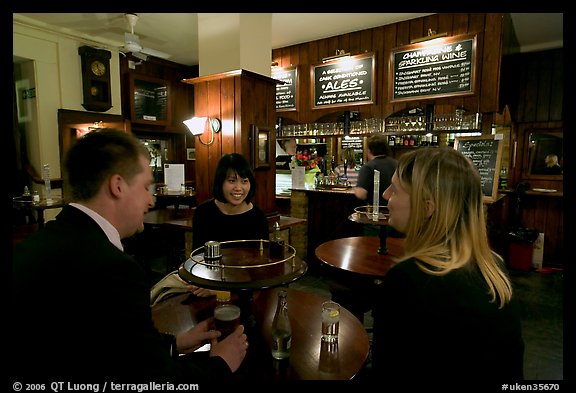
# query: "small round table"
{"type": "Point", "coordinates": [245, 266]}
{"type": "Point", "coordinates": [352, 255]}
{"type": "Point", "coordinates": [310, 358]}
{"type": "Point", "coordinates": [175, 198]}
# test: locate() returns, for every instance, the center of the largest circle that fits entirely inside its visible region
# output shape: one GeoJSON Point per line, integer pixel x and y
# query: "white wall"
{"type": "Point", "coordinates": [51, 65]}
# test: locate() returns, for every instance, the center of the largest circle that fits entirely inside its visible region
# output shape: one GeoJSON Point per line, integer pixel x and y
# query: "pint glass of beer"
{"type": "Point", "coordinates": [226, 318]}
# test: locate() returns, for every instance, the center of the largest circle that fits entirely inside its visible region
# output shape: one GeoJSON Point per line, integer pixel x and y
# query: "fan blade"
{"type": "Point", "coordinates": [155, 53]}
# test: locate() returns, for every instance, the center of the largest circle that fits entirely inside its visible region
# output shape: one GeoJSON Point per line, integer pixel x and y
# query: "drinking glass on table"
{"type": "Point", "coordinates": [226, 319]}
{"type": "Point", "coordinates": [330, 321]}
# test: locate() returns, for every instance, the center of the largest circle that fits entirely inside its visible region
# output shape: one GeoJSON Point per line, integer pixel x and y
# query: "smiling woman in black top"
{"type": "Point", "coordinates": [230, 214]}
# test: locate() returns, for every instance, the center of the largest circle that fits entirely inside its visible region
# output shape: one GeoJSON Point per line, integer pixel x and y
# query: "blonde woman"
{"type": "Point", "coordinates": [446, 311]}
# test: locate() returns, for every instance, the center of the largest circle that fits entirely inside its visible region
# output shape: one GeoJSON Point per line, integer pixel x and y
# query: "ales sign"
{"type": "Point", "coordinates": [344, 81]}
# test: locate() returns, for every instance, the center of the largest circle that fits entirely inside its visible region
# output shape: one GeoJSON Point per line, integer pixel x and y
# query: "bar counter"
{"type": "Point", "coordinates": [327, 212]}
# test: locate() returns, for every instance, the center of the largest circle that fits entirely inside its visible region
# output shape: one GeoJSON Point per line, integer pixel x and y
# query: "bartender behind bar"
{"type": "Point", "coordinates": [285, 149]}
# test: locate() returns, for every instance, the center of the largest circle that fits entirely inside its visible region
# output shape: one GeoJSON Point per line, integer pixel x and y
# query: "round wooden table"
{"type": "Point", "coordinates": [309, 359]}
{"type": "Point", "coordinates": [19, 203]}
{"type": "Point", "coordinates": [176, 199]}
{"type": "Point", "coordinates": [354, 254]}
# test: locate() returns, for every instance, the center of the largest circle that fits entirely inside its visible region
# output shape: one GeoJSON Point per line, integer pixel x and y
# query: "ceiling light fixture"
{"type": "Point", "coordinates": [430, 36]}
{"type": "Point", "coordinates": [340, 53]}
{"type": "Point", "coordinates": [197, 126]}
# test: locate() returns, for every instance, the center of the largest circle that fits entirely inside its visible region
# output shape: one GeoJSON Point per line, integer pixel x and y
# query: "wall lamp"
{"type": "Point", "coordinates": [430, 36]}
{"type": "Point", "coordinates": [197, 126]}
{"type": "Point", "coordinates": [340, 53]}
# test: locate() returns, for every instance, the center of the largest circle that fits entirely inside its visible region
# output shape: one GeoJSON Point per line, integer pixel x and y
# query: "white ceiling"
{"type": "Point", "coordinates": [176, 33]}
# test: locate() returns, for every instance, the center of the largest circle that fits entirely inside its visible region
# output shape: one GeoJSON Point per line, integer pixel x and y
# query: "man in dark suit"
{"type": "Point", "coordinates": [81, 305]}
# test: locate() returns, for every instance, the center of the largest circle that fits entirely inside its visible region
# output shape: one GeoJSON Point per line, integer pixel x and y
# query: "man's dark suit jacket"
{"type": "Point", "coordinates": [81, 307]}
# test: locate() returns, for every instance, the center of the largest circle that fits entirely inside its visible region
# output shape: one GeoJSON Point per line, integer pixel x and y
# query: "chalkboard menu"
{"type": "Point", "coordinates": [286, 92]}
{"type": "Point", "coordinates": [344, 81]}
{"type": "Point", "coordinates": [150, 100]}
{"type": "Point", "coordinates": [354, 142]}
{"type": "Point", "coordinates": [485, 152]}
{"type": "Point", "coordinates": [428, 70]}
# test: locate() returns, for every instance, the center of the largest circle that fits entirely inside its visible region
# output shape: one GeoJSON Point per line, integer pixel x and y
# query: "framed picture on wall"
{"type": "Point", "coordinates": [150, 100]}
{"type": "Point", "coordinates": [191, 153]}
{"type": "Point", "coordinates": [261, 147]}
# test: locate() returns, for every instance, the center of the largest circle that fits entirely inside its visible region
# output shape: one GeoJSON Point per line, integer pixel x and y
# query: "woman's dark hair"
{"type": "Point", "coordinates": [238, 164]}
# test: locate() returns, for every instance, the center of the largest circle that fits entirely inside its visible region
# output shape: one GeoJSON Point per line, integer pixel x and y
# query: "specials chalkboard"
{"type": "Point", "coordinates": [286, 93]}
{"type": "Point", "coordinates": [428, 70]}
{"type": "Point", "coordinates": [343, 81]}
{"type": "Point", "coordinates": [485, 152]}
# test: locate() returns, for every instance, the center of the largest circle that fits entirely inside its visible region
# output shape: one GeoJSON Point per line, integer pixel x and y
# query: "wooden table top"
{"type": "Point", "coordinates": [359, 254]}
{"type": "Point", "coordinates": [309, 359]}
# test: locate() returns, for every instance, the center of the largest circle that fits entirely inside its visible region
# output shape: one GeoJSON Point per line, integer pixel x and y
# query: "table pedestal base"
{"type": "Point", "coordinates": [383, 249]}
{"type": "Point", "coordinates": [245, 299]}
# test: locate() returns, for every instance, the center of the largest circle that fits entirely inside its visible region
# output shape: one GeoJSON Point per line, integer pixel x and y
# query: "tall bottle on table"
{"type": "Point", "coordinates": [47, 186]}
{"type": "Point", "coordinates": [281, 329]}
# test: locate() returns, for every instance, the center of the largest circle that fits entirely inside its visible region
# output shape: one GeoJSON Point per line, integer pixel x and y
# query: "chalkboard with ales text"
{"type": "Point", "coordinates": [485, 152]}
{"type": "Point", "coordinates": [343, 81]}
{"type": "Point", "coordinates": [430, 70]}
{"type": "Point", "coordinates": [286, 93]}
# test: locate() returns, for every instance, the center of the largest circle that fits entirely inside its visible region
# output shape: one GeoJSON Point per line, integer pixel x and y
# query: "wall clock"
{"type": "Point", "coordinates": [95, 79]}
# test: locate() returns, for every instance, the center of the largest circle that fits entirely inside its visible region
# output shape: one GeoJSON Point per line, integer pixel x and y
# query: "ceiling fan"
{"type": "Point", "coordinates": [132, 42]}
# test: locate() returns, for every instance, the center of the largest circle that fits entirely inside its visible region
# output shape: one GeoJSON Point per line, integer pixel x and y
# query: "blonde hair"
{"type": "Point", "coordinates": [455, 235]}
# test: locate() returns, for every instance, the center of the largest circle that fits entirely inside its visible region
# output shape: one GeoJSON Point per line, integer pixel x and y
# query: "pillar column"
{"type": "Point", "coordinates": [234, 41]}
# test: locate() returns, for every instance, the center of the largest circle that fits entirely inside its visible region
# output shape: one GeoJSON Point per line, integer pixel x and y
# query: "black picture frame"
{"type": "Point", "coordinates": [445, 67]}
{"type": "Point", "coordinates": [345, 81]}
{"type": "Point", "coordinates": [261, 147]}
{"type": "Point", "coordinates": [149, 100]}
{"type": "Point", "coordinates": [287, 93]}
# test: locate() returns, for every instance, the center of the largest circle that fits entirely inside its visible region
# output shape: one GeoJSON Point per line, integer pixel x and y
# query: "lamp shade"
{"type": "Point", "coordinates": [196, 125]}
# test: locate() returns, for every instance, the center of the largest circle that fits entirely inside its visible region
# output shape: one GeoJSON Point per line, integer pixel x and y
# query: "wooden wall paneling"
{"type": "Point", "coordinates": [445, 23]}
{"type": "Point", "coordinates": [258, 108]}
{"type": "Point", "coordinates": [417, 28]}
{"type": "Point", "coordinates": [387, 37]}
{"type": "Point", "coordinates": [402, 38]}
{"type": "Point", "coordinates": [215, 151]}
{"type": "Point", "coordinates": [545, 215]}
{"type": "Point", "coordinates": [303, 80]}
{"type": "Point", "coordinates": [531, 83]}
{"type": "Point", "coordinates": [491, 61]}
{"type": "Point", "coordinates": [203, 176]}
{"type": "Point", "coordinates": [367, 44]}
{"type": "Point", "coordinates": [476, 26]}
{"type": "Point", "coordinates": [231, 134]}
{"type": "Point", "coordinates": [460, 23]}
{"type": "Point", "coordinates": [545, 67]}
{"type": "Point", "coordinates": [345, 42]}
{"type": "Point", "coordinates": [430, 22]}
{"type": "Point", "coordinates": [557, 85]}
